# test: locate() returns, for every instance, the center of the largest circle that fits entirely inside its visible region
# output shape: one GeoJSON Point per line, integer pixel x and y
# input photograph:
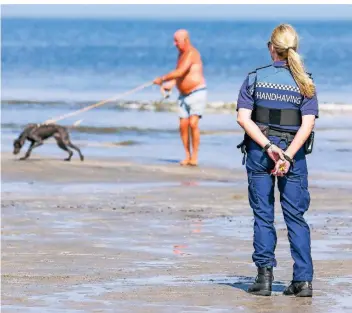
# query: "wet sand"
{"type": "Point", "coordinates": [116, 236]}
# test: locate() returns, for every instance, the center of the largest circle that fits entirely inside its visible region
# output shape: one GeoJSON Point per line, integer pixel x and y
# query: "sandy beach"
{"type": "Point", "coordinates": [128, 230]}
{"type": "Point", "coordinates": [112, 235]}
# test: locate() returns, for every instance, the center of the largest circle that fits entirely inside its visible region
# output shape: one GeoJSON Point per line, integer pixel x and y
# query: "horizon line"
{"type": "Point", "coordinates": [173, 19]}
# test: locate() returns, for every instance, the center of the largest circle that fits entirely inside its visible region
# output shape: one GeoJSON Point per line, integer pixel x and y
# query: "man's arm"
{"type": "Point", "coordinates": [169, 84]}
{"type": "Point", "coordinates": [165, 88]}
{"type": "Point", "coordinates": [180, 71]}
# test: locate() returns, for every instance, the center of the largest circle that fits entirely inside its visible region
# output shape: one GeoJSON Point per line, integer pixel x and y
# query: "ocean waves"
{"type": "Point", "coordinates": [101, 130]}
{"type": "Point", "coordinates": [147, 105]}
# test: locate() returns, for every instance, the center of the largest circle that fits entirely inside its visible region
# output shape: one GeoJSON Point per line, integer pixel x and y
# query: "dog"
{"type": "Point", "coordinates": [37, 133]}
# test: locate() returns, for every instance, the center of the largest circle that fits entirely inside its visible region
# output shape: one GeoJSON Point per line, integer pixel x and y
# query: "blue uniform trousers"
{"type": "Point", "coordinates": [294, 198]}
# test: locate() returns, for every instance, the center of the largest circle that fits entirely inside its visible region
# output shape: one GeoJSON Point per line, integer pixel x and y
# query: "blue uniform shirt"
{"type": "Point", "coordinates": [273, 87]}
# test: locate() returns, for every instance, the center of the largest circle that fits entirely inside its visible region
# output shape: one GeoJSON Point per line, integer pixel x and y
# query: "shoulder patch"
{"type": "Point", "coordinates": [252, 78]}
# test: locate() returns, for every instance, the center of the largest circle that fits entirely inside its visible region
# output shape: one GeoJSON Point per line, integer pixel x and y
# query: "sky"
{"type": "Point", "coordinates": [194, 11]}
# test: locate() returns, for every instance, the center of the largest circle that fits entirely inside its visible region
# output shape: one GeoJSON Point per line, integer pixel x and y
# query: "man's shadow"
{"type": "Point", "coordinates": [243, 283]}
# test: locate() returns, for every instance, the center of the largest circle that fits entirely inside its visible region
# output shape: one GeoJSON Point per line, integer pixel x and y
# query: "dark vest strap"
{"type": "Point", "coordinates": [282, 117]}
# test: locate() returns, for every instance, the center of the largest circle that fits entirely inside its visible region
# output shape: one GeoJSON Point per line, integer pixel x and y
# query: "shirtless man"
{"type": "Point", "coordinates": [189, 80]}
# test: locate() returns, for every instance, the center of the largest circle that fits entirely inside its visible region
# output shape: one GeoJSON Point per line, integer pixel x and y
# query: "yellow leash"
{"type": "Point", "coordinates": [92, 106]}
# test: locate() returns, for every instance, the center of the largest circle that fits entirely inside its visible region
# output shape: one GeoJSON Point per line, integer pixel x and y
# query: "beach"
{"type": "Point", "coordinates": [128, 229]}
{"type": "Point", "coordinates": [119, 236]}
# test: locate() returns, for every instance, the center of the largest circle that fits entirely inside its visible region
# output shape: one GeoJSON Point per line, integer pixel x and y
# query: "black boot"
{"type": "Point", "coordinates": [299, 289]}
{"type": "Point", "coordinates": [263, 282]}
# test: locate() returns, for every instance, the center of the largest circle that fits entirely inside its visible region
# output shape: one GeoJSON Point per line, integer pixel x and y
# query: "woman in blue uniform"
{"type": "Point", "coordinates": [277, 107]}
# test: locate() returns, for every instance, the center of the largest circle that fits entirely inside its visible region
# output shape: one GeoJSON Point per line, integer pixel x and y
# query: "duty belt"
{"type": "Point", "coordinates": [286, 136]}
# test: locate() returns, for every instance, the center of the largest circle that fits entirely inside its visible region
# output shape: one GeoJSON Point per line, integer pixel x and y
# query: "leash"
{"type": "Point", "coordinates": [92, 106]}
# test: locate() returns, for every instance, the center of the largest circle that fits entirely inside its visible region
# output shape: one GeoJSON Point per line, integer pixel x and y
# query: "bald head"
{"type": "Point", "coordinates": [181, 39]}
{"type": "Point", "coordinates": [181, 34]}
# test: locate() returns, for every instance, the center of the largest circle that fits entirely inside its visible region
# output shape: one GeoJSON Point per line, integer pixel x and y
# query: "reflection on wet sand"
{"type": "Point", "coordinates": [103, 235]}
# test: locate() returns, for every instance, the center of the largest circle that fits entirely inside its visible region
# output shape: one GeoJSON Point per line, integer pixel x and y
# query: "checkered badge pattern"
{"type": "Point", "coordinates": [277, 86]}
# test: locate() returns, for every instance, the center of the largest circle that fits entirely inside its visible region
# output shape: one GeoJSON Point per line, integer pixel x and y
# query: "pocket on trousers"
{"type": "Point", "coordinates": [252, 191]}
{"type": "Point", "coordinates": [304, 196]}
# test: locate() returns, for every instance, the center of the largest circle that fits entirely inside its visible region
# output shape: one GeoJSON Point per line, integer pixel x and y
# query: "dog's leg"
{"type": "Point", "coordinates": [71, 145]}
{"type": "Point", "coordinates": [34, 144]}
{"type": "Point", "coordinates": [62, 145]}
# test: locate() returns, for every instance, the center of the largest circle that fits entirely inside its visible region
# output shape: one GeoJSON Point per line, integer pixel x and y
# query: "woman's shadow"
{"type": "Point", "coordinates": [243, 283]}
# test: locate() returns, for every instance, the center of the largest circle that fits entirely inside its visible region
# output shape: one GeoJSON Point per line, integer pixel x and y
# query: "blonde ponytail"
{"type": "Point", "coordinates": [285, 42]}
{"type": "Point", "coordinates": [304, 82]}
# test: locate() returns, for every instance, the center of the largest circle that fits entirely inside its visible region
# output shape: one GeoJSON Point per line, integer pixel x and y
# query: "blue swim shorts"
{"type": "Point", "coordinates": [193, 104]}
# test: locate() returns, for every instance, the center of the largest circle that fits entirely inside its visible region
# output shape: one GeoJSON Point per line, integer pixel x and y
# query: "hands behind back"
{"type": "Point", "coordinates": [282, 166]}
